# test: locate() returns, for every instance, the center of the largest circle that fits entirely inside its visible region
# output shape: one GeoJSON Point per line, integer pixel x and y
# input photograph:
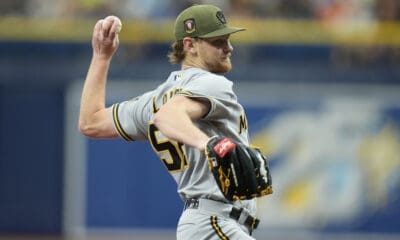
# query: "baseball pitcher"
{"type": "Point", "coordinates": [193, 121]}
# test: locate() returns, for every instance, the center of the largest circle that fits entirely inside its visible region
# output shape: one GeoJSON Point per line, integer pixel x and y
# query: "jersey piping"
{"type": "Point", "coordinates": [117, 124]}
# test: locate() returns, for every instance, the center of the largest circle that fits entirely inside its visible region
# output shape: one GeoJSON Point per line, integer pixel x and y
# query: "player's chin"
{"type": "Point", "coordinates": [223, 67]}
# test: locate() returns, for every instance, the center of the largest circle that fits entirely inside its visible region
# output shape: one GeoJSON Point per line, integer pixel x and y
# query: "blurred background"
{"type": "Point", "coordinates": [320, 80]}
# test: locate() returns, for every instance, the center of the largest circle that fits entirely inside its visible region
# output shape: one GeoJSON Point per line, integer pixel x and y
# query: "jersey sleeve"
{"type": "Point", "coordinates": [213, 89]}
{"type": "Point", "coordinates": [128, 120]}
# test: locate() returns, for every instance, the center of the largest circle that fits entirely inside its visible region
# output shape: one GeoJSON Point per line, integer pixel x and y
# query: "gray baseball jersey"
{"type": "Point", "coordinates": [188, 165]}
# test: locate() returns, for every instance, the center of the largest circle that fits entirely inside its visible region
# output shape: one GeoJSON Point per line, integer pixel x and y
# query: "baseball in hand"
{"type": "Point", "coordinates": [110, 20]}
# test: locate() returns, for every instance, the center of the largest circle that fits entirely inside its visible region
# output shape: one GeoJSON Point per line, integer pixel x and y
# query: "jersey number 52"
{"type": "Point", "coordinates": [170, 152]}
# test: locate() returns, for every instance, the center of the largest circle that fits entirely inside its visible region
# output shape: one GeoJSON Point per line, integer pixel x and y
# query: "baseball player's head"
{"type": "Point", "coordinates": [202, 35]}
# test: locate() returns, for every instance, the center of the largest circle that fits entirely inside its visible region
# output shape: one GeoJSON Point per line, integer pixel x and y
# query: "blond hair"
{"type": "Point", "coordinates": [177, 55]}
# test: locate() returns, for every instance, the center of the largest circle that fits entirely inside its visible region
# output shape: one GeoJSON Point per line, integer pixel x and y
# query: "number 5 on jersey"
{"type": "Point", "coordinates": [170, 152]}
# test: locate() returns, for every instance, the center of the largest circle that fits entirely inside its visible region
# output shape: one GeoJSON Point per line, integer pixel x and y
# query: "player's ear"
{"type": "Point", "coordinates": [188, 44]}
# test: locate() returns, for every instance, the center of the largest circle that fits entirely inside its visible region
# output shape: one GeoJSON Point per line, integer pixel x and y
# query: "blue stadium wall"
{"type": "Point", "coordinates": [34, 77]}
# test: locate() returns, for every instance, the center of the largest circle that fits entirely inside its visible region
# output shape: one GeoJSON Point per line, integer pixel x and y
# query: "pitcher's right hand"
{"type": "Point", "coordinates": [105, 39]}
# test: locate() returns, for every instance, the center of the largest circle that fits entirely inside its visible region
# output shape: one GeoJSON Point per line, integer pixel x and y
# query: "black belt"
{"type": "Point", "coordinates": [236, 213]}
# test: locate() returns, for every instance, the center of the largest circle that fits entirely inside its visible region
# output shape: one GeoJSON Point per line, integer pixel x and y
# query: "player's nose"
{"type": "Point", "coordinates": [228, 46]}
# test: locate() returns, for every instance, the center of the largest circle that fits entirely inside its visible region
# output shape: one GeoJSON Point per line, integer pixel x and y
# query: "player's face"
{"type": "Point", "coordinates": [215, 54]}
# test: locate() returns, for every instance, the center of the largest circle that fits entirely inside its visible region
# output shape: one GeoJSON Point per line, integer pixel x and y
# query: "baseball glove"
{"type": "Point", "coordinates": [241, 172]}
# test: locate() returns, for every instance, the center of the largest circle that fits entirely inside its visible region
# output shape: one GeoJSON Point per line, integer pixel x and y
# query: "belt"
{"type": "Point", "coordinates": [239, 214]}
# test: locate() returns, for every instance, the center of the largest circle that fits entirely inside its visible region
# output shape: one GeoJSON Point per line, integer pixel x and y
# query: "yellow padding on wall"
{"type": "Point", "coordinates": [259, 31]}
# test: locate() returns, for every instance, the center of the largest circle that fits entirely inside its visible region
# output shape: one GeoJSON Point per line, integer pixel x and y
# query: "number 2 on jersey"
{"type": "Point", "coordinates": [170, 152]}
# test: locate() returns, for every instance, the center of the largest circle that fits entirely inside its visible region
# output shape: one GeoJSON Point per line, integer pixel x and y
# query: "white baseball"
{"type": "Point", "coordinates": [114, 19]}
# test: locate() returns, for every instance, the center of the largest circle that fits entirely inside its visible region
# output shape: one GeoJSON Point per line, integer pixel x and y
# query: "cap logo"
{"type": "Point", "coordinates": [221, 17]}
{"type": "Point", "coordinates": [190, 25]}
